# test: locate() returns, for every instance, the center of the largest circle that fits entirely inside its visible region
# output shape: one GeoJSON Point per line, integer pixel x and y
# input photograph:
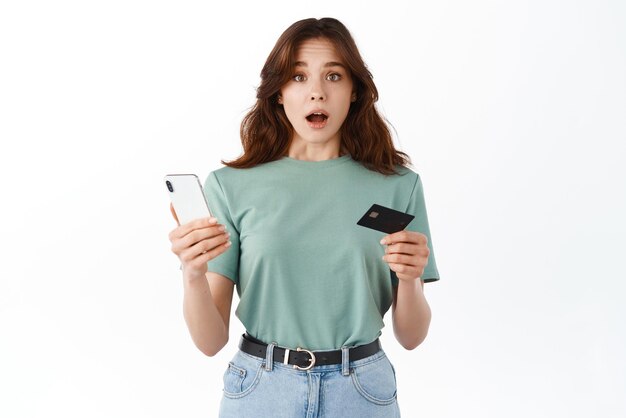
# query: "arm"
{"type": "Point", "coordinates": [208, 295]}
{"type": "Point", "coordinates": [407, 254]}
{"type": "Point", "coordinates": [411, 313]}
{"type": "Point", "coordinates": [206, 307]}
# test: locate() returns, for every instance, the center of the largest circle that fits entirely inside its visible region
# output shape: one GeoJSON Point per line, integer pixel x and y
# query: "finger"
{"type": "Point", "coordinates": [174, 213]}
{"type": "Point", "coordinates": [181, 245]}
{"type": "Point", "coordinates": [184, 229]}
{"type": "Point", "coordinates": [202, 247]}
{"type": "Point", "coordinates": [401, 259]}
{"type": "Point", "coordinates": [402, 248]}
{"type": "Point", "coordinates": [414, 250]}
{"type": "Point", "coordinates": [198, 235]}
{"type": "Point", "coordinates": [405, 236]}
{"type": "Point", "coordinates": [202, 259]}
{"type": "Point", "coordinates": [401, 236]}
{"type": "Point", "coordinates": [405, 270]}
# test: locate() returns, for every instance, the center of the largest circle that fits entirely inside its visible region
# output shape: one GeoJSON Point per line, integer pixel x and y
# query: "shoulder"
{"type": "Point", "coordinates": [404, 177]}
{"type": "Point", "coordinates": [227, 173]}
{"type": "Point", "coordinates": [243, 179]}
{"type": "Point", "coordinates": [406, 172]}
{"type": "Point", "coordinates": [224, 172]}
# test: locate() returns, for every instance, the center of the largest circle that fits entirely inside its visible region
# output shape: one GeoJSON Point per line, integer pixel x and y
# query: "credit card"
{"type": "Point", "coordinates": [385, 219]}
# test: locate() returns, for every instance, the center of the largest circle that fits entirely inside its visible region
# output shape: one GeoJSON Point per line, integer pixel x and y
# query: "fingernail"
{"type": "Point", "coordinates": [212, 220]}
{"type": "Point", "coordinates": [222, 228]}
{"type": "Point", "coordinates": [382, 241]}
{"type": "Point", "coordinates": [227, 244]}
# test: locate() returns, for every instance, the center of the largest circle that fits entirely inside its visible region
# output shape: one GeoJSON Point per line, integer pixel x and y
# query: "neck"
{"type": "Point", "coordinates": [314, 152]}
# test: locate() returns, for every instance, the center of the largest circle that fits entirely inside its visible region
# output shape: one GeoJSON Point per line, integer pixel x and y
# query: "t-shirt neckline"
{"type": "Point", "coordinates": [315, 164]}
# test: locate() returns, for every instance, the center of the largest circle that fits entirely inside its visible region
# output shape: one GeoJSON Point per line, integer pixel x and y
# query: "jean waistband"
{"type": "Point", "coordinates": [304, 359]}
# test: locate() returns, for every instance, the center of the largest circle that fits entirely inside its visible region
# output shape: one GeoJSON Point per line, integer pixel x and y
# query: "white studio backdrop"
{"type": "Point", "coordinates": [513, 114]}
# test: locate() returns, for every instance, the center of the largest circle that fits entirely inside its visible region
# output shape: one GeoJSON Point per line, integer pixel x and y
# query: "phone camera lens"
{"type": "Point", "coordinates": [169, 186]}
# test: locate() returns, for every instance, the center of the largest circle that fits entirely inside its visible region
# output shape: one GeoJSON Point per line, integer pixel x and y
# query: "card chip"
{"type": "Point", "coordinates": [373, 214]}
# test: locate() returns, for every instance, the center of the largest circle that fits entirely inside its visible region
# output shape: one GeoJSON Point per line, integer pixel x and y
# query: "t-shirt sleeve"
{"type": "Point", "coordinates": [227, 263]}
{"type": "Point", "coordinates": [417, 207]}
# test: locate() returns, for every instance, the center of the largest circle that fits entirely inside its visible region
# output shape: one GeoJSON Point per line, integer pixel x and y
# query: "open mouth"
{"type": "Point", "coordinates": [317, 117]}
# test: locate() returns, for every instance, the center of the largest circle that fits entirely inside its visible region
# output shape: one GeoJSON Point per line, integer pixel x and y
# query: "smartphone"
{"type": "Point", "coordinates": [187, 197]}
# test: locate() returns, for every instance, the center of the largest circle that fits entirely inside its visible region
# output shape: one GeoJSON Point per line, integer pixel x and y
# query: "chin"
{"type": "Point", "coordinates": [318, 137]}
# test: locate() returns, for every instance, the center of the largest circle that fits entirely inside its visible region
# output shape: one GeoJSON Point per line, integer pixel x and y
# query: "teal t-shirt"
{"type": "Point", "coordinates": [306, 274]}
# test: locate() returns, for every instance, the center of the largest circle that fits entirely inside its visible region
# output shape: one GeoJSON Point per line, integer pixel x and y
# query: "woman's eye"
{"type": "Point", "coordinates": [298, 77]}
{"type": "Point", "coordinates": [333, 77]}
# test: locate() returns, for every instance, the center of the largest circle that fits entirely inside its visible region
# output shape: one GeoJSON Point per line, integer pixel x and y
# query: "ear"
{"type": "Point", "coordinates": [353, 98]}
{"type": "Point", "coordinates": [280, 99]}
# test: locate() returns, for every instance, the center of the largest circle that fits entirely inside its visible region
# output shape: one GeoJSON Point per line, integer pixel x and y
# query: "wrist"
{"type": "Point", "coordinates": [411, 285]}
{"type": "Point", "coordinates": [194, 278]}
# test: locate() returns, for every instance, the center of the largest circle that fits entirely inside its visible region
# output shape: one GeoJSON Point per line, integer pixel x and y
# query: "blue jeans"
{"type": "Point", "coordinates": [260, 388]}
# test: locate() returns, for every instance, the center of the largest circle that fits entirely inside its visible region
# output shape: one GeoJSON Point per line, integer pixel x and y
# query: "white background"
{"type": "Point", "coordinates": [513, 113]}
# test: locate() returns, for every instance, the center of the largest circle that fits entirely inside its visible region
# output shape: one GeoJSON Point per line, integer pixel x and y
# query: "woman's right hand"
{"type": "Point", "coordinates": [197, 242]}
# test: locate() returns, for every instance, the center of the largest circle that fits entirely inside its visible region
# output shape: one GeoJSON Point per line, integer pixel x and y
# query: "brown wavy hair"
{"type": "Point", "coordinates": [266, 132]}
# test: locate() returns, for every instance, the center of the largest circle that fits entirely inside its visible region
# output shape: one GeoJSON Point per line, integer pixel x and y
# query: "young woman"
{"type": "Point", "coordinates": [313, 285]}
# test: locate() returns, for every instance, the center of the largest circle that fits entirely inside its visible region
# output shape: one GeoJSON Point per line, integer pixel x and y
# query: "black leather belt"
{"type": "Point", "coordinates": [302, 359]}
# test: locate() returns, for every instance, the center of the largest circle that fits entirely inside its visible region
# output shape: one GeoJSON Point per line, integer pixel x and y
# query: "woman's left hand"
{"type": "Point", "coordinates": [406, 253]}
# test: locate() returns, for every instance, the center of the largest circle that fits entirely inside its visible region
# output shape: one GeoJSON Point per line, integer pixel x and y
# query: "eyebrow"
{"type": "Point", "coordinates": [328, 64]}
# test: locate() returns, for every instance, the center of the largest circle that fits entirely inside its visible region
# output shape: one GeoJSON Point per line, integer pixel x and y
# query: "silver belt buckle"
{"type": "Point", "coordinates": [295, 366]}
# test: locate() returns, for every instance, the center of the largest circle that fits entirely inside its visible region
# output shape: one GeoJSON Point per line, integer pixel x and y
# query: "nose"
{"type": "Point", "coordinates": [317, 92]}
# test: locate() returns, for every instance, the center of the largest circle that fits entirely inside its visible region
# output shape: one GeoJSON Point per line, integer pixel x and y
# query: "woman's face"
{"type": "Point", "coordinates": [318, 96]}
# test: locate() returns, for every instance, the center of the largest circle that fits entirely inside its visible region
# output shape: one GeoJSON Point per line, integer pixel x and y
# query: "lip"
{"type": "Point", "coordinates": [317, 125]}
{"type": "Point", "coordinates": [322, 111]}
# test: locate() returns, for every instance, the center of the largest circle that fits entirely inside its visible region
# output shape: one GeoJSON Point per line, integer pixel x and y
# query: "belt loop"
{"type": "Point", "coordinates": [269, 357]}
{"type": "Point", "coordinates": [345, 361]}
